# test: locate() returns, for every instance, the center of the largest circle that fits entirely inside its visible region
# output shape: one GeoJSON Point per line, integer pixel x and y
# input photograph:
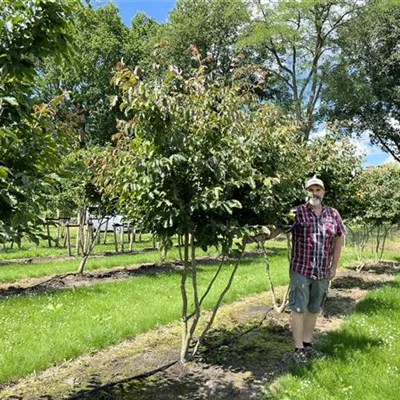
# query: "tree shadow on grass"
{"type": "Point", "coordinates": [250, 351]}
{"type": "Point", "coordinates": [338, 305]}
{"type": "Point", "coordinates": [339, 345]}
{"type": "Point", "coordinates": [193, 385]}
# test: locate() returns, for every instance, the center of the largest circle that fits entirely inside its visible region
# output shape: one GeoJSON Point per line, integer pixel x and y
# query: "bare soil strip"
{"type": "Point", "coordinates": [247, 350]}
{"type": "Point", "coordinates": [72, 279]}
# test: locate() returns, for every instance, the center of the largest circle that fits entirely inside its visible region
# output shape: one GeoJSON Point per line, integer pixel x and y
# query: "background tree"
{"type": "Point", "coordinates": [31, 140]}
{"type": "Point", "coordinates": [212, 26]}
{"type": "Point", "coordinates": [100, 37]}
{"type": "Point", "coordinates": [295, 42]}
{"type": "Point", "coordinates": [335, 161]}
{"type": "Point", "coordinates": [140, 41]}
{"type": "Point", "coordinates": [363, 89]}
{"type": "Point", "coordinates": [377, 202]}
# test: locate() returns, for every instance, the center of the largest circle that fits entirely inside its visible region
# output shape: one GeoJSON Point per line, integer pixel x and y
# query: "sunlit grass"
{"type": "Point", "coordinates": [11, 272]}
{"type": "Point", "coordinates": [67, 323]}
{"type": "Point", "coordinates": [37, 330]}
{"type": "Point", "coordinates": [29, 249]}
{"type": "Point", "coordinates": [363, 357]}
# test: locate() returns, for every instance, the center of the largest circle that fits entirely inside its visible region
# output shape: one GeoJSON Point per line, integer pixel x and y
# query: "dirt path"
{"type": "Point", "coordinates": [247, 350]}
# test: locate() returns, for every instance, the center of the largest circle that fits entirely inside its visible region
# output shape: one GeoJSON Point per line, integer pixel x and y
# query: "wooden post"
{"type": "Point", "coordinates": [122, 237]}
{"type": "Point", "coordinates": [128, 231]}
{"type": "Point", "coordinates": [115, 238]}
{"type": "Point", "coordinates": [132, 238]}
{"type": "Point", "coordinates": [58, 229]}
{"type": "Point", "coordinates": [79, 233]}
{"type": "Point", "coordinates": [68, 237]}
{"type": "Point", "coordinates": [105, 232]}
{"type": "Point", "coordinates": [48, 234]}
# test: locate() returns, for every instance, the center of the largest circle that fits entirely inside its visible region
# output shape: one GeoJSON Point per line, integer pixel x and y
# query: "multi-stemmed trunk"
{"type": "Point", "coordinates": [191, 319]}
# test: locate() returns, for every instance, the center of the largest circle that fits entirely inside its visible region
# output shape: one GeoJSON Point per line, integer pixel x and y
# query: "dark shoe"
{"type": "Point", "coordinates": [300, 356]}
{"type": "Point", "coordinates": [312, 352]}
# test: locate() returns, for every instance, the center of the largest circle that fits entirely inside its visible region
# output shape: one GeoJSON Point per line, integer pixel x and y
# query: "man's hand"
{"type": "Point", "coordinates": [332, 273]}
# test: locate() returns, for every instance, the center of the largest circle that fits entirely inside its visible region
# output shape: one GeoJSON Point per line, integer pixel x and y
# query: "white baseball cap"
{"type": "Point", "coordinates": [314, 181]}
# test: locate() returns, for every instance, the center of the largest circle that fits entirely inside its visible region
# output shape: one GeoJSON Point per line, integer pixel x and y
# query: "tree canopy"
{"type": "Point", "coordinates": [363, 90]}
{"type": "Point", "coordinates": [31, 139]}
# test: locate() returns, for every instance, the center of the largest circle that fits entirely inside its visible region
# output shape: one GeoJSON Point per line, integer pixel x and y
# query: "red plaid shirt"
{"type": "Point", "coordinates": [313, 240]}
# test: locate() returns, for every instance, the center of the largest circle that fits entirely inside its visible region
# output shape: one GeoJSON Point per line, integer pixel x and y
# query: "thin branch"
{"type": "Point", "coordinates": [387, 148]}
{"type": "Point", "coordinates": [277, 308]}
{"type": "Point", "coordinates": [216, 307]}
{"type": "Point", "coordinates": [278, 60]}
{"type": "Point", "coordinates": [210, 285]}
{"type": "Point", "coordinates": [337, 23]}
{"type": "Point", "coordinates": [184, 318]}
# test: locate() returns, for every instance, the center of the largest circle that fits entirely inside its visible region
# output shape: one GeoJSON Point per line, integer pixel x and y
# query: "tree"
{"type": "Point", "coordinates": [140, 41]}
{"type": "Point", "coordinates": [295, 42]}
{"type": "Point", "coordinates": [377, 201]}
{"type": "Point", "coordinates": [100, 36]}
{"type": "Point", "coordinates": [335, 161]}
{"type": "Point", "coordinates": [31, 140]}
{"type": "Point", "coordinates": [212, 26]}
{"type": "Point", "coordinates": [202, 159]}
{"type": "Point", "coordinates": [362, 94]}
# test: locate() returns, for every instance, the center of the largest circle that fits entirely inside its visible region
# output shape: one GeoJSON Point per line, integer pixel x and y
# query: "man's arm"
{"type": "Point", "coordinates": [337, 249]}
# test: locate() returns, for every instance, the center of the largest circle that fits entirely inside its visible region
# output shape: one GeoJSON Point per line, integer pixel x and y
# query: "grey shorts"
{"type": "Point", "coordinates": [306, 294]}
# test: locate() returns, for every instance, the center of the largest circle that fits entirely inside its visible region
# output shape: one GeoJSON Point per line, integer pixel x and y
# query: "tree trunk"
{"type": "Point", "coordinates": [184, 317]}
{"type": "Point", "coordinates": [88, 249]}
{"type": "Point", "coordinates": [79, 233]}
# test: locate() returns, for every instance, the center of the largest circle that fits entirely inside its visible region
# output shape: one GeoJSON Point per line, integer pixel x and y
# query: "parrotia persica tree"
{"type": "Point", "coordinates": [31, 140]}
{"type": "Point", "coordinates": [199, 157]}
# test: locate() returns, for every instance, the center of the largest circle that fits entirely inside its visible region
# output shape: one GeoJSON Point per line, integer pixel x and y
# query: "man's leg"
{"type": "Point", "coordinates": [310, 320]}
{"type": "Point", "coordinates": [297, 325]}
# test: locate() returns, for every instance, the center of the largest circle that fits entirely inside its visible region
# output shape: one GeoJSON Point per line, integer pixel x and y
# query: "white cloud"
{"type": "Point", "coordinates": [372, 155]}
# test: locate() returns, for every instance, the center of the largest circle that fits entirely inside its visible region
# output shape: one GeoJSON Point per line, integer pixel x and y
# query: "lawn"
{"type": "Point", "coordinates": [64, 324]}
{"type": "Point", "coordinates": [37, 330]}
{"type": "Point", "coordinates": [362, 357]}
{"type": "Point", "coordinates": [11, 272]}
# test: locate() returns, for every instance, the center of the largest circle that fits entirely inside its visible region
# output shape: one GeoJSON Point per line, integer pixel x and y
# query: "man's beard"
{"type": "Point", "coordinates": [315, 201]}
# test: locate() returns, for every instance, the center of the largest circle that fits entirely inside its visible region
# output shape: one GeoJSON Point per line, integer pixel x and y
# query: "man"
{"type": "Point", "coordinates": [317, 236]}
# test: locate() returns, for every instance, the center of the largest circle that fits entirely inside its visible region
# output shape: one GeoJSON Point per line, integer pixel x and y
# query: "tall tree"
{"type": "Point", "coordinates": [363, 90]}
{"type": "Point", "coordinates": [140, 42]}
{"type": "Point", "coordinates": [31, 140]}
{"type": "Point", "coordinates": [100, 37]}
{"type": "Point", "coordinates": [212, 26]}
{"type": "Point", "coordinates": [295, 42]}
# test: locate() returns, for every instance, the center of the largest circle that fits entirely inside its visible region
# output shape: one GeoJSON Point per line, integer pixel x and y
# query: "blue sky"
{"type": "Point", "coordinates": [159, 9]}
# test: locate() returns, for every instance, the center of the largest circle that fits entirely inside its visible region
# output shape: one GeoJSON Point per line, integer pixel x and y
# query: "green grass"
{"type": "Point", "coordinates": [29, 249]}
{"type": "Point", "coordinates": [363, 357]}
{"type": "Point", "coordinates": [37, 330]}
{"type": "Point", "coordinates": [11, 272]}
